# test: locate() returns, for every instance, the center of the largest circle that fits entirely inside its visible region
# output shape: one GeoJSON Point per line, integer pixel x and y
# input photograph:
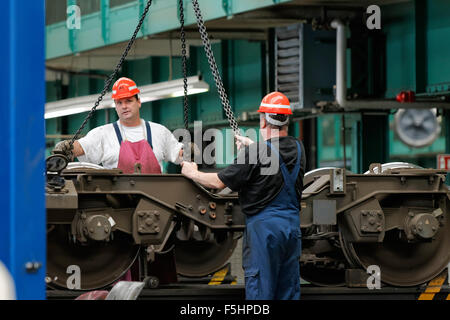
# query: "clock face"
{"type": "Point", "coordinates": [417, 127]}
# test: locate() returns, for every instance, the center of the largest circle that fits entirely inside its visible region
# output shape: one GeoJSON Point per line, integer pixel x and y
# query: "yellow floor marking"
{"type": "Point", "coordinates": [218, 277]}
{"type": "Point", "coordinates": [434, 286]}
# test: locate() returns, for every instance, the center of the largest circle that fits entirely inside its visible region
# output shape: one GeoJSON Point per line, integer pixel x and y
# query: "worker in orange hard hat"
{"type": "Point", "coordinates": [272, 246]}
{"type": "Point", "coordinates": [129, 141]}
{"type": "Point", "coordinates": [124, 88]}
{"type": "Point", "coordinates": [129, 144]}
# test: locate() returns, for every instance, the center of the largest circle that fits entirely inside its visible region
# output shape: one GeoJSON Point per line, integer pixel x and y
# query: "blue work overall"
{"type": "Point", "coordinates": [272, 243]}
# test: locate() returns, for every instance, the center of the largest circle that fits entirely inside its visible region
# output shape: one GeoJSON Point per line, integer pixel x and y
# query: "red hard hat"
{"type": "Point", "coordinates": [124, 88]}
{"type": "Point", "coordinates": [275, 102]}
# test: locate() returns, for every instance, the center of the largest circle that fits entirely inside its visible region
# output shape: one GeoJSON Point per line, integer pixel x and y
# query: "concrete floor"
{"type": "Point", "coordinates": [236, 263]}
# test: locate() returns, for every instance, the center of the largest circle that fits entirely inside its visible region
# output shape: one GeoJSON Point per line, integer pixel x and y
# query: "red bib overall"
{"type": "Point", "coordinates": [140, 152]}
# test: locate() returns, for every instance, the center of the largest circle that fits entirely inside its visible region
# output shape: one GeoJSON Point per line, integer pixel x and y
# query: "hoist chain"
{"type": "Point", "coordinates": [184, 66]}
{"type": "Point", "coordinates": [112, 76]}
{"type": "Point", "coordinates": [212, 64]}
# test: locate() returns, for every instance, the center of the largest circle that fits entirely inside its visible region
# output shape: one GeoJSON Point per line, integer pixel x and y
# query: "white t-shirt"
{"type": "Point", "coordinates": [101, 145]}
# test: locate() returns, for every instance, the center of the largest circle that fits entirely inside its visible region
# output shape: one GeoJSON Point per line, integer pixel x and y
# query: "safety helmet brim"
{"type": "Point", "coordinates": [275, 102]}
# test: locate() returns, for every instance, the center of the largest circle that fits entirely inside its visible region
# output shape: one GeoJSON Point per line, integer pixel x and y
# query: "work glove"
{"type": "Point", "coordinates": [65, 148]}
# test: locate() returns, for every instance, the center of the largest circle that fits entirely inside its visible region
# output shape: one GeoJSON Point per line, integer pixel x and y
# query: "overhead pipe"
{"type": "Point", "coordinates": [341, 81]}
{"type": "Point", "coordinates": [341, 63]}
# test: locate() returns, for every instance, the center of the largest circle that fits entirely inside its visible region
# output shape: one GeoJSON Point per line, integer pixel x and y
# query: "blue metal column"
{"type": "Point", "coordinates": [22, 143]}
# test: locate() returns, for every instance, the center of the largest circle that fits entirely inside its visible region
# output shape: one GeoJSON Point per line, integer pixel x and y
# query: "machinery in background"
{"type": "Point", "coordinates": [101, 221]}
{"type": "Point", "coordinates": [394, 217]}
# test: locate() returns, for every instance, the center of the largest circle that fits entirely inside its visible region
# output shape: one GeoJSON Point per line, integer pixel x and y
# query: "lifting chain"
{"type": "Point", "coordinates": [184, 66]}
{"type": "Point", "coordinates": [212, 64]}
{"type": "Point", "coordinates": [112, 76]}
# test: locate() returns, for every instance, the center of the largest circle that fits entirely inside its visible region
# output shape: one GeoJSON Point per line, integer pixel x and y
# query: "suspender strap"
{"type": "Point", "coordinates": [149, 134]}
{"type": "Point", "coordinates": [297, 163]}
{"type": "Point", "coordinates": [147, 126]}
{"type": "Point", "coordinates": [119, 136]}
{"type": "Point", "coordinates": [293, 175]}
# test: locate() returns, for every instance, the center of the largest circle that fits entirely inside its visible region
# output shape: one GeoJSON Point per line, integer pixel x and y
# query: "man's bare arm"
{"type": "Point", "coordinates": [209, 180]}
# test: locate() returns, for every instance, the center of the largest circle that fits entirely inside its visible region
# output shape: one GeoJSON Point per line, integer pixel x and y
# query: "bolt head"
{"type": "Point", "coordinates": [32, 267]}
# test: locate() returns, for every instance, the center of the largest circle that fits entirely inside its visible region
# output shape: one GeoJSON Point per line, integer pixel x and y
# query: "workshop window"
{"type": "Point", "coordinates": [55, 11]}
{"type": "Point", "coordinates": [88, 6]}
{"type": "Point", "coordinates": [115, 3]}
{"type": "Point", "coordinates": [328, 124]}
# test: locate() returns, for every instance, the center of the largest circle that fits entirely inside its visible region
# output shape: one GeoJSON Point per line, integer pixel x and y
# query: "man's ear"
{"type": "Point", "coordinates": [263, 122]}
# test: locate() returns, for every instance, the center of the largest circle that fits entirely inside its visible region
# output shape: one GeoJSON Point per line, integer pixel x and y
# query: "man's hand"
{"type": "Point", "coordinates": [189, 169]}
{"type": "Point", "coordinates": [242, 141]}
{"type": "Point", "coordinates": [64, 148]}
{"type": "Point", "coordinates": [192, 152]}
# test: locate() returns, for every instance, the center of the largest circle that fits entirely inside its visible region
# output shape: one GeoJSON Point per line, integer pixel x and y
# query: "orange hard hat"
{"type": "Point", "coordinates": [275, 102]}
{"type": "Point", "coordinates": [124, 88]}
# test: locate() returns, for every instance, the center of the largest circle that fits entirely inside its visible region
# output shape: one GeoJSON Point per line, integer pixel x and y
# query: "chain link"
{"type": "Point", "coordinates": [113, 75]}
{"type": "Point", "coordinates": [212, 64]}
{"type": "Point", "coordinates": [211, 60]}
{"type": "Point", "coordinates": [184, 66]}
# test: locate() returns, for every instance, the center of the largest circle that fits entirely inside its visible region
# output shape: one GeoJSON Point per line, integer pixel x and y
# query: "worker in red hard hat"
{"type": "Point", "coordinates": [272, 239]}
{"type": "Point", "coordinates": [128, 142]}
